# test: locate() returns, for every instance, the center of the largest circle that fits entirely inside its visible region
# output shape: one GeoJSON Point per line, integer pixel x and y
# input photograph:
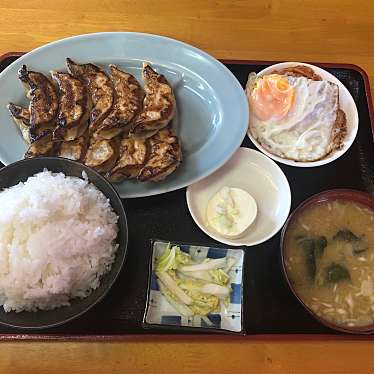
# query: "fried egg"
{"type": "Point", "coordinates": [293, 117]}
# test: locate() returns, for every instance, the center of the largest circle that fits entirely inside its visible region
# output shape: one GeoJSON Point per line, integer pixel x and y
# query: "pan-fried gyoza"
{"type": "Point", "coordinates": [127, 105]}
{"type": "Point", "coordinates": [43, 98]}
{"type": "Point", "coordinates": [106, 121]}
{"type": "Point", "coordinates": [21, 116]}
{"type": "Point", "coordinates": [100, 89]}
{"type": "Point", "coordinates": [165, 156]}
{"type": "Point", "coordinates": [159, 104]}
{"type": "Point", "coordinates": [73, 106]}
{"type": "Point", "coordinates": [132, 157]}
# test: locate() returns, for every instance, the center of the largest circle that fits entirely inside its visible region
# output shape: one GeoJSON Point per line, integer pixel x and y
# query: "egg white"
{"type": "Point", "coordinates": [305, 133]}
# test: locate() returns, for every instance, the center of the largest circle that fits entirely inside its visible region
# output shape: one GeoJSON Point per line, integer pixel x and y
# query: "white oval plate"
{"type": "Point", "coordinates": [212, 110]}
{"type": "Point", "coordinates": [255, 173]}
{"type": "Point", "coordinates": [347, 104]}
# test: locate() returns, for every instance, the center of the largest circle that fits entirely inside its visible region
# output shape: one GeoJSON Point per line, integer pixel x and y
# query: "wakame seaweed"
{"type": "Point", "coordinates": [359, 244]}
{"type": "Point", "coordinates": [346, 236]}
{"type": "Point", "coordinates": [336, 273]}
{"type": "Point", "coordinates": [313, 249]}
{"type": "Point", "coordinates": [320, 244]}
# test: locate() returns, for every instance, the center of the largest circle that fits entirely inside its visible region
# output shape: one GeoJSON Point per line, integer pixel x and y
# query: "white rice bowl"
{"type": "Point", "coordinates": [57, 238]}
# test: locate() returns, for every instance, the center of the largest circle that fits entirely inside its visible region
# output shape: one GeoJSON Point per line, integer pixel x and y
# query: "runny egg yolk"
{"type": "Point", "coordinates": [271, 98]}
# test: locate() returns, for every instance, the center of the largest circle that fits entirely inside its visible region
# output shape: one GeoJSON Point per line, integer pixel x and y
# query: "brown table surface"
{"type": "Point", "coordinates": [301, 30]}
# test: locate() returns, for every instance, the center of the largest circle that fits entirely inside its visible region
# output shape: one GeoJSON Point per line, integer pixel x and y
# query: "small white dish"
{"type": "Point", "coordinates": [347, 104]}
{"type": "Point", "coordinates": [261, 177]}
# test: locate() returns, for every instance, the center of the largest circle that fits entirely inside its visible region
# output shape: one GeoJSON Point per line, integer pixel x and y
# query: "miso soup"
{"type": "Point", "coordinates": [329, 259]}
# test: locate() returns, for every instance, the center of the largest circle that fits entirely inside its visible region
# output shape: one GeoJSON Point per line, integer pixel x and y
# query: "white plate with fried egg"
{"type": "Point", "coordinates": [300, 117]}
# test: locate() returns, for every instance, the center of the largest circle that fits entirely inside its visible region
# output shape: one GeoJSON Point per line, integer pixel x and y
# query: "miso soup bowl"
{"type": "Point", "coordinates": [358, 197]}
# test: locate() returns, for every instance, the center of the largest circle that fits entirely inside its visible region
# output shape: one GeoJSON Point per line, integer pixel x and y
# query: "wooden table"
{"type": "Point", "coordinates": [303, 30]}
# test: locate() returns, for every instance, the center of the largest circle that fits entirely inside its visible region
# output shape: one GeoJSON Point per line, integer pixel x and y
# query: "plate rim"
{"type": "Point", "coordinates": [234, 242]}
{"type": "Point", "coordinates": [329, 158]}
{"type": "Point", "coordinates": [206, 55]}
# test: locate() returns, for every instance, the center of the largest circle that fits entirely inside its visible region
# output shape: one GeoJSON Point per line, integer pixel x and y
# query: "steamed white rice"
{"type": "Point", "coordinates": [57, 237]}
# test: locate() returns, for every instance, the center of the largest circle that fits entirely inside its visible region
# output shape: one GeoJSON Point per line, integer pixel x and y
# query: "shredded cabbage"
{"type": "Point", "coordinates": [208, 264]}
{"type": "Point", "coordinates": [167, 260]}
{"type": "Point", "coordinates": [170, 283]}
{"type": "Point", "coordinates": [171, 258]}
{"type": "Point", "coordinates": [174, 302]}
{"type": "Point", "coordinates": [219, 276]}
{"type": "Point", "coordinates": [181, 257]}
{"type": "Point", "coordinates": [193, 288]}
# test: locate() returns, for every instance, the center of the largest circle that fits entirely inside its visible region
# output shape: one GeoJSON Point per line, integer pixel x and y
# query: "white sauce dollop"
{"type": "Point", "coordinates": [231, 211]}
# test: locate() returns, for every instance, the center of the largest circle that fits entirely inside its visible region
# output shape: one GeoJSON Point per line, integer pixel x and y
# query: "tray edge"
{"type": "Point", "coordinates": [189, 338]}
